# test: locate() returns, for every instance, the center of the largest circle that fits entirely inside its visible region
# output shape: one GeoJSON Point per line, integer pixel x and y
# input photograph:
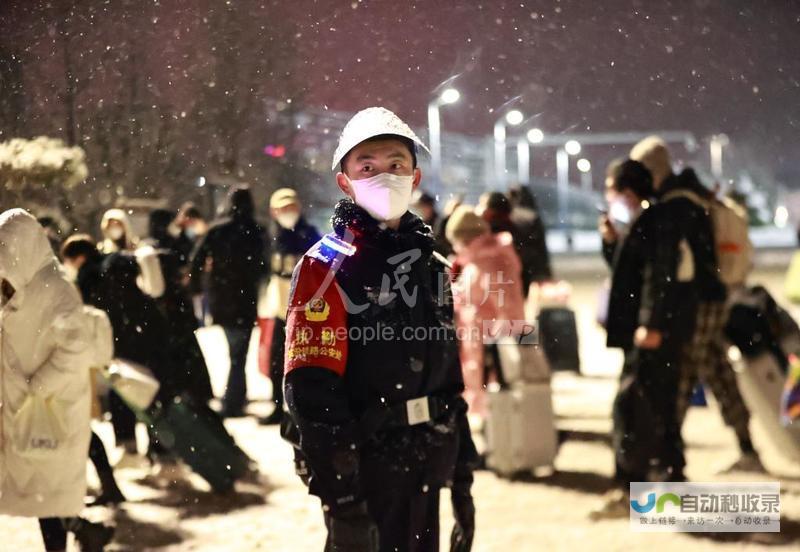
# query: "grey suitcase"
{"type": "Point", "coordinates": [520, 430]}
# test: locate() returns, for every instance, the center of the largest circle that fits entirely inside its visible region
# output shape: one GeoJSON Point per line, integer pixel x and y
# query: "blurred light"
{"type": "Point", "coordinates": [275, 150]}
{"type": "Point", "coordinates": [781, 216]}
{"type": "Point", "coordinates": [572, 147]}
{"type": "Point", "coordinates": [584, 165]}
{"type": "Point", "coordinates": [514, 117]}
{"type": "Point", "coordinates": [535, 136]}
{"type": "Point", "coordinates": [450, 95]}
{"type": "Point", "coordinates": [201, 182]}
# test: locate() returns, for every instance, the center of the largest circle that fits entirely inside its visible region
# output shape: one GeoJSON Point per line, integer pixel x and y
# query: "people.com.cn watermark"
{"type": "Point", "coordinates": [499, 332]}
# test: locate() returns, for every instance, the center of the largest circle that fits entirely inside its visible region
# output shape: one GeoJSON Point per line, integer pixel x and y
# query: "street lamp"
{"type": "Point", "coordinates": [513, 118]}
{"type": "Point", "coordinates": [585, 167]}
{"type": "Point", "coordinates": [533, 136]}
{"type": "Point", "coordinates": [572, 147]}
{"type": "Point", "coordinates": [448, 96]}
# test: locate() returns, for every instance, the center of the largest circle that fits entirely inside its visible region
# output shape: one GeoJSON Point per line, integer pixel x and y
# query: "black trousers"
{"type": "Point", "coordinates": [276, 362]}
{"type": "Point", "coordinates": [54, 534]}
{"type": "Point", "coordinates": [99, 458]}
{"type": "Point", "coordinates": [122, 418]}
{"type": "Point", "coordinates": [406, 524]}
{"type": "Point", "coordinates": [646, 428]}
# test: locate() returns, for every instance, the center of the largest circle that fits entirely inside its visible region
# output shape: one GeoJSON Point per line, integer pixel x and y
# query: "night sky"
{"type": "Point", "coordinates": [705, 66]}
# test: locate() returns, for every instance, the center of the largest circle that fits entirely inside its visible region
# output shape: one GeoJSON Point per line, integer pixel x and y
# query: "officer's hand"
{"type": "Point", "coordinates": [352, 530]}
{"type": "Point", "coordinates": [647, 338]}
{"type": "Point", "coordinates": [464, 529]}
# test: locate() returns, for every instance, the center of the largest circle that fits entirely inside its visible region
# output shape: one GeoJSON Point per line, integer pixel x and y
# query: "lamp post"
{"type": "Point", "coordinates": [448, 96]}
{"type": "Point", "coordinates": [572, 147]}
{"type": "Point", "coordinates": [718, 142]}
{"type": "Point", "coordinates": [513, 118]}
{"type": "Point", "coordinates": [523, 161]}
{"type": "Point", "coordinates": [524, 154]}
{"type": "Point", "coordinates": [585, 167]}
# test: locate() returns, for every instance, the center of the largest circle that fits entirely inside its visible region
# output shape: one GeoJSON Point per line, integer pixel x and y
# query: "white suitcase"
{"type": "Point", "coordinates": [520, 430]}
{"type": "Point", "coordinates": [761, 383]}
{"type": "Point", "coordinates": [522, 363]}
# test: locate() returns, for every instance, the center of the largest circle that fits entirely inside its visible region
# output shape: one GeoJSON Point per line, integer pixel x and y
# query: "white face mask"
{"type": "Point", "coordinates": [116, 233]}
{"type": "Point", "coordinates": [385, 196]}
{"type": "Point", "coordinates": [287, 220]}
{"type": "Point", "coordinates": [619, 211]}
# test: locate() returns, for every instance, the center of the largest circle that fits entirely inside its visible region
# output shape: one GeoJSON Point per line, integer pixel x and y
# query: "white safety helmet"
{"type": "Point", "coordinates": [368, 123]}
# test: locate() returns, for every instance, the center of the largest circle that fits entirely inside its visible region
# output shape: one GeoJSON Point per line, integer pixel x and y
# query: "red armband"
{"type": "Point", "coordinates": [316, 324]}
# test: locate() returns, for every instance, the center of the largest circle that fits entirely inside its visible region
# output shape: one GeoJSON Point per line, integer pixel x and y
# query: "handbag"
{"type": "Point", "coordinates": [39, 428]}
{"type": "Point", "coordinates": [133, 382]}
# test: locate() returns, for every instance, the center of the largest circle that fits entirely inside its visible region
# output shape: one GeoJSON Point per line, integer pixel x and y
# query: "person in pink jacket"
{"type": "Point", "coordinates": [488, 297]}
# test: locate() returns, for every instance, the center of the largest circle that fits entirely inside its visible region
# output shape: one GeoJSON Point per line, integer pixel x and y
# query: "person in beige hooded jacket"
{"type": "Point", "coordinates": [45, 352]}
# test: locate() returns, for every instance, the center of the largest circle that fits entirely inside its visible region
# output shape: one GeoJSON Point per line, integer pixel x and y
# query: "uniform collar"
{"type": "Point", "coordinates": [411, 233]}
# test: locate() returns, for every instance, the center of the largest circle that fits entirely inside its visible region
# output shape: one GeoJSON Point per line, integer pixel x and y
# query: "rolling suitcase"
{"type": "Point", "coordinates": [558, 334]}
{"type": "Point", "coordinates": [196, 434]}
{"type": "Point", "coordinates": [520, 429]}
{"type": "Point", "coordinates": [761, 381]}
{"type": "Point", "coordinates": [757, 324]}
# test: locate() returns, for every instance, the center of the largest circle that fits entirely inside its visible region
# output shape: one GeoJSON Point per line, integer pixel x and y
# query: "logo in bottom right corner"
{"type": "Point", "coordinates": [705, 507]}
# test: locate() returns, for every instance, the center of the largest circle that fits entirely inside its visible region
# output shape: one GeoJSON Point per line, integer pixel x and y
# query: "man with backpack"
{"type": "Point", "coordinates": [722, 258]}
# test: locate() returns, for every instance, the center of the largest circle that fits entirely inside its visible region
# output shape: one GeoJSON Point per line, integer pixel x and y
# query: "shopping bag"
{"type": "Point", "coordinates": [39, 428]}
{"type": "Point", "coordinates": [133, 382]}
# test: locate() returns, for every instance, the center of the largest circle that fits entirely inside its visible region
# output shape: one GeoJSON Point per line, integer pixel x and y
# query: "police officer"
{"type": "Point", "coordinates": [372, 377]}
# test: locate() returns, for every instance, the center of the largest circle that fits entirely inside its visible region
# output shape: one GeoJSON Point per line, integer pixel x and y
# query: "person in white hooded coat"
{"type": "Point", "coordinates": [45, 352]}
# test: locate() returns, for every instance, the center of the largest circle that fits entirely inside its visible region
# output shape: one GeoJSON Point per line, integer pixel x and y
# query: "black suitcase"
{"type": "Point", "coordinates": [757, 324]}
{"type": "Point", "coordinates": [196, 434]}
{"type": "Point", "coordinates": [558, 334]}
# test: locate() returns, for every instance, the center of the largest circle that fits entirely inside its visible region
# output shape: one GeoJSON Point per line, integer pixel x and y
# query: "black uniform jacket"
{"type": "Point", "coordinates": [370, 327]}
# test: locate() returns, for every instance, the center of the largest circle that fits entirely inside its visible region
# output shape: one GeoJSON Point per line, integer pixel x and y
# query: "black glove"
{"type": "Point", "coordinates": [464, 529]}
{"type": "Point", "coordinates": [352, 530]}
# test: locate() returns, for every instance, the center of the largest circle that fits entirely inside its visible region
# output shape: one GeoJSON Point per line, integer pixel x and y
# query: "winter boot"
{"type": "Point", "coordinates": [92, 537]}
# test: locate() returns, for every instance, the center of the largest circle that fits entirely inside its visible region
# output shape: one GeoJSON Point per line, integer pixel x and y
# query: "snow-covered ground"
{"type": "Point", "coordinates": [550, 513]}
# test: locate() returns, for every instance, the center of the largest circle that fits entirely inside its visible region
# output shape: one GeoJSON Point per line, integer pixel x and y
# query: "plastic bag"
{"type": "Point", "coordinates": [133, 382]}
{"type": "Point", "coordinates": [39, 428]}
